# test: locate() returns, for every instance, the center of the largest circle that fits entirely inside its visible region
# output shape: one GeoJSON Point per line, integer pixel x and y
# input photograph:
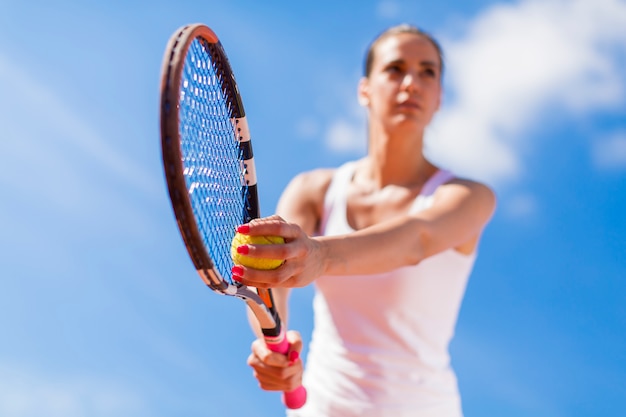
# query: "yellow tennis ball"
{"type": "Point", "coordinates": [258, 263]}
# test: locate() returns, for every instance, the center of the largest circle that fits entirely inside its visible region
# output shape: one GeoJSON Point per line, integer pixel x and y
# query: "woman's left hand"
{"type": "Point", "coordinates": [303, 256]}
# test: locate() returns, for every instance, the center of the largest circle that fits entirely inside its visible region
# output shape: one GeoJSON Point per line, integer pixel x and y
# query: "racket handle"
{"type": "Point", "coordinates": [292, 399]}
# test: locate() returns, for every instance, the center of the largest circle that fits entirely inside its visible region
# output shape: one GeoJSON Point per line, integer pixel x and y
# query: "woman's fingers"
{"type": "Point", "coordinates": [274, 371]}
{"type": "Point", "coordinates": [301, 255]}
{"type": "Point", "coordinates": [271, 226]}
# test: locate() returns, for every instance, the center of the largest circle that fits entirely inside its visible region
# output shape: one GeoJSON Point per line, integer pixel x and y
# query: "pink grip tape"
{"type": "Point", "coordinates": [292, 399]}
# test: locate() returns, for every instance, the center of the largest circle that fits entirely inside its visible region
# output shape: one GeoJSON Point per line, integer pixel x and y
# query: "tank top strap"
{"type": "Point", "coordinates": [335, 200]}
{"type": "Point", "coordinates": [438, 178]}
{"type": "Point", "coordinates": [339, 183]}
{"type": "Point", "coordinates": [425, 197]}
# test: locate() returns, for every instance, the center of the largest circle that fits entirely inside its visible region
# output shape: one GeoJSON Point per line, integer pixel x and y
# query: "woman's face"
{"type": "Point", "coordinates": [404, 85]}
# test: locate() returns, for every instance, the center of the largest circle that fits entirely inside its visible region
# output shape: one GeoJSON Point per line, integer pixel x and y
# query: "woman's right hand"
{"type": "Point", "coordinates": [274, 371]}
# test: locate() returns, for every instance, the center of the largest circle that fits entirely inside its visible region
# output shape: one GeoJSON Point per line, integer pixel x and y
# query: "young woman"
{"type": "Point", "coordinates": [389, 242]}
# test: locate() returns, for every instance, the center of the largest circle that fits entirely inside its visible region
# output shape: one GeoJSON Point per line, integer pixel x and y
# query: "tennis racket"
{"type": "Point", "coordinates": [209, 169]}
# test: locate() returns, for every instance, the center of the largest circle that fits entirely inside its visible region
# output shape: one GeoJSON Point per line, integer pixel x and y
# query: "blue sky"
{"type": "Point", "coordinates": [101, 312]}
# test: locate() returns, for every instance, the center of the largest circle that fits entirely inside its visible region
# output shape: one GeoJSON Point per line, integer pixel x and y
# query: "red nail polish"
{"type": "Point", "coordinates": [237, 270]}
{"type": "Point", "coordinates": [243, 249]}
{"type": "Point", "coordinates": [293, 357]}
{"type": "Point", "coordinates": [244, 228]}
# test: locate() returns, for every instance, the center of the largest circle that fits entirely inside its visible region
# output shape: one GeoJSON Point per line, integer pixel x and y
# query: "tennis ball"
{"type": "Point", "coordinates": [258, 263]}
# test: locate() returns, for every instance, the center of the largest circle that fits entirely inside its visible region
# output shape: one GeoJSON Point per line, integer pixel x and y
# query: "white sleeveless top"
{"type": "Point", "coordinates": [380, 342]}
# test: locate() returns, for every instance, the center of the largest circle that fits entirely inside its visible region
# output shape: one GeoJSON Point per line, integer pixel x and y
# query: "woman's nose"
{"type": "Point", "coordinates": [410, 82]}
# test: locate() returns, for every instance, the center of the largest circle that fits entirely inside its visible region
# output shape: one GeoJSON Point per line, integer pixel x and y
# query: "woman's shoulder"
{"type": "Point", "coordinates": [462, 187]}
{"type": "Point", "coordinates": [303, 199]}
{"type": "Point", "coordinates": [309, 187]}
{"type": "Point", "coordinates": [319, 180]}
{"type": "Point", "coordinates": [314, 180]}
{"type": "Point", "coordinates": [473, 185]}
{"type": "Point", "coordinates": [448, 176]}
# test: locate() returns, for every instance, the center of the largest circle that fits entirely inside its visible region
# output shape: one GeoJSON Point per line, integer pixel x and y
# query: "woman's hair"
{"type": "Point", "coordinates": [396, 30]}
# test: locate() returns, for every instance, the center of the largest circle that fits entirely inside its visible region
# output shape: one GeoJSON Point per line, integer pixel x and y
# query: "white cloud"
{"type": "Point", "coordinates": [345, 133]}
{"type": "Point", "coordinates": [344, 136]}
{"type": "Point", "coordinates": [513, 63]}
{"type": "Point", "coordinates": [307, 128]}
{"type": "Point", "coordinates": [610, 152]}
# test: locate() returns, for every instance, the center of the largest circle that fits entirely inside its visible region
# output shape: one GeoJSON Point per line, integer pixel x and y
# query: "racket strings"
{"type": "Point", "coordinates": [211, 155]}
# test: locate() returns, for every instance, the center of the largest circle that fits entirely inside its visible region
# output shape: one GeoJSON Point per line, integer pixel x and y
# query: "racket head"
{"type": "Point", "coordinates": [206, 149]}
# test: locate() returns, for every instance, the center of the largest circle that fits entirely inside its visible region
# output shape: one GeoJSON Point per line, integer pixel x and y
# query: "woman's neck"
{"type": "Point", "coordinates": [396, 161]}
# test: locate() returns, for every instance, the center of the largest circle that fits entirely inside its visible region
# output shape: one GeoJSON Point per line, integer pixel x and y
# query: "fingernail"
{"type": "Point", "coordinates": [237, 271]}
{"type": "Point", "coordinates": [244, 228]}
{"type": "Point", "coordinates": [243, 249]}
{"type": "Point", "coordinates": [293, 357]}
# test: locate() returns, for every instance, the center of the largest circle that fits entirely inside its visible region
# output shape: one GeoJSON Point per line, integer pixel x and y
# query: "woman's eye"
{"type": "Point", "coordinates": [430, 73]}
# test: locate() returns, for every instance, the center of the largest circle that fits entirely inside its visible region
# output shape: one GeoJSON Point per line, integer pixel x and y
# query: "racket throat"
{"type": "Point", "coordinates": [267, 321]}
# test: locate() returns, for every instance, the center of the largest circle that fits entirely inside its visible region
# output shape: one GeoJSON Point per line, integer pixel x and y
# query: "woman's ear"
{"type": "Point", "coordinates": [363, 92]}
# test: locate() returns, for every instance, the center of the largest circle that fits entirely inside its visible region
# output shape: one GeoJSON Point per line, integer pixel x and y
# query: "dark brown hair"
{"type": "Point", "coordinates": [396, 30]}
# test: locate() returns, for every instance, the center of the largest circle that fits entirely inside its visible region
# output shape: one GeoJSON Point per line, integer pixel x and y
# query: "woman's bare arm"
{"type": "Point", "coordinates": [459, 213]}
